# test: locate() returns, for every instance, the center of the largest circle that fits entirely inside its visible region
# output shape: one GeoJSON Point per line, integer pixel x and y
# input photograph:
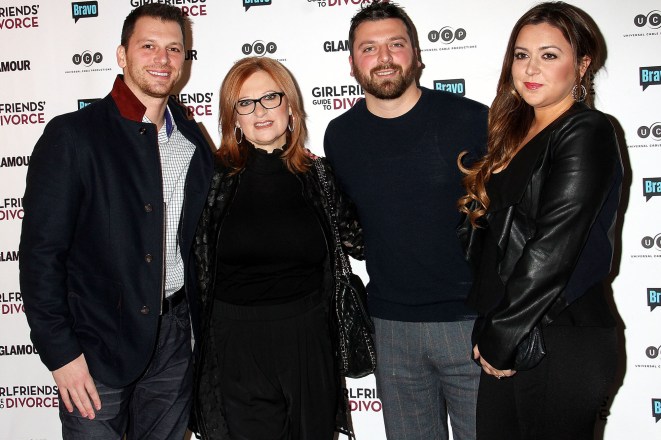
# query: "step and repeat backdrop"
{"type": "Point", "coordinates": [57, 56]}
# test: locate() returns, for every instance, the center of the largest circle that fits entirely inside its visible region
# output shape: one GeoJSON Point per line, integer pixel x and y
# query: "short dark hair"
{"type": "Point", "coordinates": [381, 10]}
{"type": "Point", "coordinates": [154, 10]}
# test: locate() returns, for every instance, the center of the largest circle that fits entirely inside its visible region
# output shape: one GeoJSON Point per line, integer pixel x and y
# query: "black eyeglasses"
{"type": "Point", "coordinates": [268, 101]}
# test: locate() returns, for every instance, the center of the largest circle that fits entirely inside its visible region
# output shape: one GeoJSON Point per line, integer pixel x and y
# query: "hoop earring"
{"type": "Point", "coordinates": [290, 125]}
{"type": "Point", "coordinates": [575, 93]}
{"type": "Point", "coordinates": [238, 140]}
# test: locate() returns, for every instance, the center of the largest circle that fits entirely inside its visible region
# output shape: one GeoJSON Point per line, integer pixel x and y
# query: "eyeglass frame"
{"type": "Point", "coordinates": [255, 101]}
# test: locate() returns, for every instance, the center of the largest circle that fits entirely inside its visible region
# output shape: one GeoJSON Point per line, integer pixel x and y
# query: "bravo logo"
{"type": "Point", "coordinates": [651, 187]}
{"type": "Point", "coordinates": [456, 86]}
{"type": "Point", "coordinates": [82, 103]}
{"type": "Point", "coordinates": [84, 10]}
{"type": "Point", "coordinates": [650, 76]}
{"type": "Point", "coordinates": [250, 3]}
{"type": "Point", "coordinates": [656, 409]}
{"type": "Point", "coordinates": [653, 297]}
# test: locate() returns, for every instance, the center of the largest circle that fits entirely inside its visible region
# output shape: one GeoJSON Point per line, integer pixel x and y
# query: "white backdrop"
{"type": "Point", "coordinates": [57, 55]}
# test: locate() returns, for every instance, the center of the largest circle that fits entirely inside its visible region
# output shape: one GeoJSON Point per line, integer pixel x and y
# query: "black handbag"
{"type": "Point", "coordinates": [351, 326]}
{"type": "Point", "coordinates": [530, 351]}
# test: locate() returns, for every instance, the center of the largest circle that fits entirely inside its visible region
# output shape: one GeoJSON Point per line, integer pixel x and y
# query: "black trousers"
{"type": "Point", "coordinates": [557, 400]}
{"type": "Point", "coordinates": [277, 372]}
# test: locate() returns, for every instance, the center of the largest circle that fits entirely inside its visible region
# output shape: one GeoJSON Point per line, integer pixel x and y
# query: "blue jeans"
{"type": "Point", "coordinates": [154, 407]}
{"type": "Point", "coordinates": [424, 373]}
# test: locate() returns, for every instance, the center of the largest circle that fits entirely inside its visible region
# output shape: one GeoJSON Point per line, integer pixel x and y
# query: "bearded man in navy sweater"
{"type": "Point", "coordinates": [394, 154]}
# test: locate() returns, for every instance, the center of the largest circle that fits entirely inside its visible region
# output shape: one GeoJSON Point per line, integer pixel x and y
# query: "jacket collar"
{"type": "Point", "coordinates": [128, 104]}
{"type": "Point", "coordinates": [520, 171]}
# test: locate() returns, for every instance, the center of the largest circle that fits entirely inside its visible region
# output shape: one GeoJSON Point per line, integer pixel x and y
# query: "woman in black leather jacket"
{"type": "Point", "coordinates": [265, 258]}
{"type": "Point", "coordinates": [541, 208]}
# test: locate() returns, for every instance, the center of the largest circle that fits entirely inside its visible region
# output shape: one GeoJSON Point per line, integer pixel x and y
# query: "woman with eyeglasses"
{"type": "Point", "coordinates": [265, 258]}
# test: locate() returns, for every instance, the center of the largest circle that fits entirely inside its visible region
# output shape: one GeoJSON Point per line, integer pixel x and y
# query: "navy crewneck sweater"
{"type": "Point", "coordinates": [403, 177]}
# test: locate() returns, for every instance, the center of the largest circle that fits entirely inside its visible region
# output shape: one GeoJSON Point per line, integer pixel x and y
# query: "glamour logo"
{"type": "Point", "coordinates": [650, 76]}
{"type": "Point", "coordinates": [336, 46]}
{"type": "Point", "coordinates": [337, 97]}
{"type": "Point", "coordinates": [17, 350]}
{"type": "Point", "coordinates": [84, 10]}
{"type": "Point", "coordinates": [19, 17]}
{"type": "Point", "coordinates": [447, 35]}
{"type": "Point", "coordinates": [87, 58]}
{"type": "Point", "coordinates": [14, 66]}
{"type": "Point", "coordinates": [191, 54]}
{"type": "Point", "coordinates": [651, 19]}
{"type": "Point", "coordinates": [259, 48]}
{"type": "Point", "coordinates": [14, 161]}
{"type": "Point", "coordinates": [250, 3]}
{"type": "Point", "coordinates": [197, 104]}
{"type": "Point", "coordinates": [456, 86]}
{"type": "Point", "coordinates": [651, 187]}
{"type": "Point", "coordinates": [653, 297]}
{"type": "Point", "coordinates": [8, 256]}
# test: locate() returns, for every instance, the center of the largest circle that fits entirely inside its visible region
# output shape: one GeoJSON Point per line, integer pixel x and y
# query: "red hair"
{"type": "Point", "coordinates": [234, 154]}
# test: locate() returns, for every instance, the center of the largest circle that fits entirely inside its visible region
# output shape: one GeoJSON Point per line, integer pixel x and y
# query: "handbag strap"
{"type": "Point", "coordinates": [343, 266]}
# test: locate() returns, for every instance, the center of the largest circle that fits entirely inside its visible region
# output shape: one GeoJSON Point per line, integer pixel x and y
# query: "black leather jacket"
{"type": "Point", "coordinates": [553, 228]}
{"type": "Point", "coordinates": [207, 419]}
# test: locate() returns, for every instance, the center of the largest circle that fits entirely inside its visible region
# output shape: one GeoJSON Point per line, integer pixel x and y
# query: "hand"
{"type": "Point", "coordinates": [486, 366]}
{"type": "Point", "coordinates": [77, 386]}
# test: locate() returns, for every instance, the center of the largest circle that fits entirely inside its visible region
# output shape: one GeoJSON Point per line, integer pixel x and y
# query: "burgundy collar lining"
{"type": "Point", "coordinates": [128, 104]}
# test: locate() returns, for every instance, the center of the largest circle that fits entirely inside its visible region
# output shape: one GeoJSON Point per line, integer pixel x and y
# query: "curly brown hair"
{"type": "Point", "coordinates": [510, 117]}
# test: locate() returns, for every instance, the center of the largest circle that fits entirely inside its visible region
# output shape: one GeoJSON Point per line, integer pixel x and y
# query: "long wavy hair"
{"type": "Point", "coordinates": [510, 117]}
{"type": "Point", "coordinates": [234, 154]}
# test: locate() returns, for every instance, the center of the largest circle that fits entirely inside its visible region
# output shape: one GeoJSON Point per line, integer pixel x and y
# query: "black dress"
{"type": "Point", "coordinates": [276, 367]}
{"type": "Point", "coordinates": [559, 398]}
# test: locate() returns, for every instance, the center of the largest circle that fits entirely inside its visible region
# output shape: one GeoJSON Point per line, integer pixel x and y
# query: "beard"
{"type": "Point", "coordinates": [388, 88]}
{"type": "Point", "coordinates": [150, 86]}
